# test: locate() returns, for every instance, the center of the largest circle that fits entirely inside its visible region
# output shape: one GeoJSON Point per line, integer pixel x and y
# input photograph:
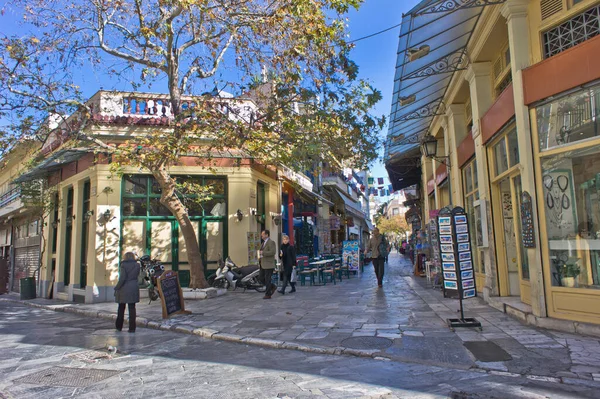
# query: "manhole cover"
{"type": "Point", "coordinates": [486, 351]}
{"type": "Point", "coordinates": [67, 377]}
{"type": "Point", "coordinates": [367, 343]}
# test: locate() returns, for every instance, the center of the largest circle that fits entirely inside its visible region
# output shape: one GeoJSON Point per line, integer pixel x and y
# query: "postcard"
{"type": "Point", "coordinates": [468, 284]}
{"type": "Point", "coordinates": [462, 228]}
{"type": "Point", "coordinates": [447, 247]}
{"type": "Point", "coordinates": [469, 293]}
{"type": "Point", "coordinates": [446, 239]}
{"type": "Point", "coordinates": [462, 237]}
{"type": "Point", "coordinates": [466, 265]}
{"type": "Point", "coordinates": [461, 219]}
{"type": "Point", "coordinates": [448, 257]}
{"type": "Point", "coordinates": [449, 276]}
{"type": "Point", "coordinates": [445, 229]}
{"type": "Point", "coordinates": [450, 285]}
{"type": "Point", "coordinates": [448, 266]}
{"type": "Point", "coordinates": [466, 274]}
{"type": "Point", "coordinates": [464, 246]}
{"type": "Point", "coordinates": [464, 256]}
{"type": "Point", "coordinates": [444, 220]}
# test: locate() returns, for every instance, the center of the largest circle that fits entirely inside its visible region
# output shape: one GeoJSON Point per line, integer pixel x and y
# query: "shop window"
{"type": "Point", "coordinates": [569, 119]}
{"type": "Point", "coordinates": [571, 198]}
{"type": "Point", "coordinates": [471, 195]}
{"type": "Point", "coordinates": [506, 151]}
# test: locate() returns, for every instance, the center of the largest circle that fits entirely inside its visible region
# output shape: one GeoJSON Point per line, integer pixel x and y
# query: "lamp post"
{"type": "Point", "coordinates": [429, 149]}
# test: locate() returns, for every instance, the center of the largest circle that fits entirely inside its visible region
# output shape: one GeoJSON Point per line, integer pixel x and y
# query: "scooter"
{"type": "Point", "coordinates": [230, 275]}
{"type": "Point", "coordinates": [152, 269]}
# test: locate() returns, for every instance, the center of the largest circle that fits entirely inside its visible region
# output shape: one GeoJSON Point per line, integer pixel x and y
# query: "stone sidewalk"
{"type": "Point", "coordinates": [403, 321]}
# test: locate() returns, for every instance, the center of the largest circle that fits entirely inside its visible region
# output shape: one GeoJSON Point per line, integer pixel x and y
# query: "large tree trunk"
{"type": "Point", "coordinates": [170, 200]}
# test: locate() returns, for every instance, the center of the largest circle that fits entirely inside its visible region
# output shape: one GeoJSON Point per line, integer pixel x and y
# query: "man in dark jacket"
{"type": "Point", "coordinates": [127, 291]}
{"type": "Point", "coordinates": [267, 254]}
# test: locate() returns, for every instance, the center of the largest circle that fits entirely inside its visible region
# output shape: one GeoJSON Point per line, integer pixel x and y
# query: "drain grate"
{"type": "Point", "coordinates": [367, 343]}
{"type": "Point", "coordinates": [486, 351]}
{"type": "Point", "coordinates": [67, 377]}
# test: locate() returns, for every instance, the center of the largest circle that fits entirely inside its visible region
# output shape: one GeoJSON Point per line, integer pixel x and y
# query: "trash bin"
{"type": "Point", "coordinates": [27, 288]}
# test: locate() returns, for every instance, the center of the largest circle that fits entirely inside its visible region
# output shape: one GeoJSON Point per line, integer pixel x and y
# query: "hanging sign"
{"type": "Point", "coordinates": [527, 221]}
{"type": "Point", "coordinates": [455, 252]}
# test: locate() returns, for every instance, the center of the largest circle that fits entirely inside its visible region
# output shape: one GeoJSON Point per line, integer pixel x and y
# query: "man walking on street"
{"type": "Point", "coordinates": [379, 248]}
{"type": "Point", "coordinates": [267, 262]}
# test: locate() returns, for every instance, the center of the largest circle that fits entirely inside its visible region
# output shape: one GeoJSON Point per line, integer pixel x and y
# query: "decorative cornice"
{"type": "Point", "coordinates": [478, 69]}
{"type": "Point", "coordinates": [455, 61]}
{"type": "Point", "coordinates": [515, 8]}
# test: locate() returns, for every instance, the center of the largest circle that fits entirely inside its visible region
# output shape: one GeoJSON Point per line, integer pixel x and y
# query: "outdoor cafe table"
{"type": "Point", "coordinates": [320, 265]}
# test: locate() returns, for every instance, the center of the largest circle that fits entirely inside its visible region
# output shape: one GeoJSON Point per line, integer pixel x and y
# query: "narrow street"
{"type": "Point", "coordinates": [401, 327]}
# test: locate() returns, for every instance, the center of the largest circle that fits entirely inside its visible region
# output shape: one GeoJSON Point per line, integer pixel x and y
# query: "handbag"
{"type": "Point", "coordinates": [293, 276]}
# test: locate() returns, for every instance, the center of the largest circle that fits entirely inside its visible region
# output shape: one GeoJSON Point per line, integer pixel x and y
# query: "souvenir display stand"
{"type": "Point", "coordinates": [457, 264]}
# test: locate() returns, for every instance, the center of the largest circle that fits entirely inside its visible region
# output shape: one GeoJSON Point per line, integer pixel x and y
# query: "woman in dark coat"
{"type": "Point", "coordinates": [127, 291]}
{"type": "Point", "coordinates": [287, 254]}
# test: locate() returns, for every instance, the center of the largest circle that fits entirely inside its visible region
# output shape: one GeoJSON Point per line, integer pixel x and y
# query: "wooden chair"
{"type": "Point", "coordinates": [345, 268]}
{"type": "Point", "coordinates": [304, 272]}
{"type": "Point", "coordinates": [329, 271]}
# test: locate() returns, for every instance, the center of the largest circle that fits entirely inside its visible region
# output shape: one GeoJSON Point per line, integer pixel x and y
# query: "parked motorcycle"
{"type": "Point", "coordinates": [152, 269]}
{"type": "Point", "coordinates": [230, 275]}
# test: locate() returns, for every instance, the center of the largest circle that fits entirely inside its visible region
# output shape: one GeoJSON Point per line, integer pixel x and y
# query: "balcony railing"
{"type": "Point", "coordinates": [10, 197]}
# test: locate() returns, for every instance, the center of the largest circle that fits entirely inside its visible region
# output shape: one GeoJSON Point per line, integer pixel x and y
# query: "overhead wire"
{"type": "Point", "coordinates": [374, 34]}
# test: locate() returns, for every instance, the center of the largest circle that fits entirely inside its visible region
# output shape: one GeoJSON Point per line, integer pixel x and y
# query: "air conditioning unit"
{"type": "Point", "coordinates": [407, 100]}
{"type": "Point", "coordinates": [416, 53]}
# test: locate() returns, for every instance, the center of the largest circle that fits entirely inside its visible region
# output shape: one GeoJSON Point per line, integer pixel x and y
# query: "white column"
{"type": "Point", "coordinates": [457, 131]}
{"type": "Point", "coordinates": [479, 76]}
{"type": "Point", "coordinates": [515, 12]}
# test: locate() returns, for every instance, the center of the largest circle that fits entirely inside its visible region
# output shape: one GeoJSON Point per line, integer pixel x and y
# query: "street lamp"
{"type": "Point", "coordinates": [429, 148]}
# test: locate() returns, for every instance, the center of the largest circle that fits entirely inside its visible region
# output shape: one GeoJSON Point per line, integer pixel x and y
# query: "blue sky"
{"type": "Point", "coordinates": [376, 56]}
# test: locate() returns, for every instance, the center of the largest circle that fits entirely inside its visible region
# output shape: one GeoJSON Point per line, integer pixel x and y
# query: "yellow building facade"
{"type": "Point", "coordinates": [511, 92]}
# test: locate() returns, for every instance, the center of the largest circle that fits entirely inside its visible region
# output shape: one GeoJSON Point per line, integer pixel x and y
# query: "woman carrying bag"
{"type": "Point", "coordinates": [287, 254]}
{"type": "Point", "coordinates": [127, 291]}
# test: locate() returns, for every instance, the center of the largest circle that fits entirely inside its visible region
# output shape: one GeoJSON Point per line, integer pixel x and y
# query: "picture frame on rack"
{"type": "Point", "coordinates": [460, 219]}
{"type": "Point", "coordinates": [467, 265]}
{"type": "Point", "coordinates": [445, 229]}
{"type": "Point", "coordinates": [448, 266]}
{"type": "Point", "coordinates": [464, 246]}
{"type": "Point", "coordinates": [447, 247]}
{"type": "Point", "coordinates": [462, 228]}
{"type": "Point", "coordinates": [444, 221]}
{"type": "Point", "coordinates": [466, 284]}
{"type": "Point", "coordinates": [451, 285]}
{"type": "Point", "coordinates": [449, 276]}
{"type": "Point", "coordinates": [464, 255]}
{"type": "Point", "coordinates": [446, 239]}
{"type": "Point", "coordinates": [448, 257]}
{"type": "Point", "coordinates": [462, 237]}
{"type": "Point", "coordinates": [469, 293]}
{"type": "Point", "coordinates": [467, 274]}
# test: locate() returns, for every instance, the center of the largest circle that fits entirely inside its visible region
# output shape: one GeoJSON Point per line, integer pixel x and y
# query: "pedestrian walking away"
{"type": "Point", "coordinates": [287, 254]}
{"type": "Point", "coordinates": [127, 291]}
{"type": "Point", "coordinates": [379, 249]}
{"type": "Point", "coordinates": [267, 254]}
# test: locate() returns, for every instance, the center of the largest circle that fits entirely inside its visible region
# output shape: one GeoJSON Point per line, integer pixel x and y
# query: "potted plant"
{"type": "Point", "coordinates": [570, 275]}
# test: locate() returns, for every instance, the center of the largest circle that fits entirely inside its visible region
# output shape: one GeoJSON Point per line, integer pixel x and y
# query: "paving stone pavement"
{"type": "Point", "coordinates": [406, 312]}
{"type": "Point", "coordinates": [47, 354]}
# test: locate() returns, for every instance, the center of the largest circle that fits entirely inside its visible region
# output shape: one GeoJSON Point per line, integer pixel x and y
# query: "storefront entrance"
{"type": "Point", "coordinates": [513, 267]}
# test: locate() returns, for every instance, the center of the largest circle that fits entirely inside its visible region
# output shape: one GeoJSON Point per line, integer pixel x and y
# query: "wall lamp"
{"type": "Point", "coordinates": [276, 218]}
{"type": "Point", "coordinates": [106, 215]}
{"type": "Point", "coordinates": [55, 223]}
{"type": "Point", "coordinates": [239, 215]}
{"type": "Point", "coordinates": [429, 146]}
{"type": "Point", "coordinates": [87, 215]}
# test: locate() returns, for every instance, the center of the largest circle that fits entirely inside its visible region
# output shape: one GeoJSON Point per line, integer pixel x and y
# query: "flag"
{"type": "Point", "coordinates": [380, 181]}
{"type": "Point", "coordinates": [391, 188]}
{"type": "Point", "coordinates": [375, 192]}
{"type": "Point", "coordinates": [382, 193]}
{"type": "Point", "coordinates": [387, 193]}
{"type": "Point", "coordinates": [371, 181]}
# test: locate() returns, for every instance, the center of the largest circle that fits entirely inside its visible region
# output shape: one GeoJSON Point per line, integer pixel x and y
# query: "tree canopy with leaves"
{"type": "Point", "coordinates": [289, 58]}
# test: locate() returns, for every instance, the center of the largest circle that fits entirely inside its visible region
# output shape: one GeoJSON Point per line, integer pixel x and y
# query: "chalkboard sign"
{"type": "Point", "coordinates": [527, 221]}
{"type": "Point", "coordinates": [170, 294]}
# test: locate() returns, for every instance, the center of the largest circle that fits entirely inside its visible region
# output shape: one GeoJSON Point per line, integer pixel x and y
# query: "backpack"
{"type": "Point", "coordinates": [383, 247]}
